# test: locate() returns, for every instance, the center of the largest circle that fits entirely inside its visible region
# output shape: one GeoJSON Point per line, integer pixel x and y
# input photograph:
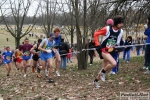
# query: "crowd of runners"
{"type": "Point", "coordinates": [39, 56]}
{"type": "Point", "coordinates": [43, 53]}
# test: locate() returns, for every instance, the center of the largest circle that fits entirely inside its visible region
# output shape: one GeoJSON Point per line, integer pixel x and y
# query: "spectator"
{"type": "Point", "coordinates": [69, 56]}
{"type": "Point", "coordinates": [137, 47]}
{"type": "Point", "coordinates": [91, 52]}
{"type": "Point", "coordinates": [7, 39]}
{"type": "Point", "coordinates": [127, 49]}
{"type": "Point", "coordinates": [63, 50]}
{"type": "Point", "coordinates": [1, 59]}
{"type": "Point", "coordinates": [147, 48]}
{"type": "Point", "coordinates": [115, 55]}
{"type": "Point", "coordinates": [143, 42]}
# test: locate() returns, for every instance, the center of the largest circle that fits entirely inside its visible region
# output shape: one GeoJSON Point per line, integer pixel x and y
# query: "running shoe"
{"type": "Point", "coordinates": [24, 75]}
{"type": "Point", "coordinates": [46, 73]}
{"type": "Point", "coordinates": [96, 84]}
{"type": "Point", "coordinates": [57, 73]}
{"type": "Point", "coordinates": [51, 80]}
{"type": "Point", "coordinates": [38, 75]}
{"type": "Point", "coordinates": [103, 76]}
{"type": "Point", "coordinates": [147, 72]}
{"type": "Point", "coordinates": [38, 69]}
{"type": "Point", "coordinates": [111, 72]}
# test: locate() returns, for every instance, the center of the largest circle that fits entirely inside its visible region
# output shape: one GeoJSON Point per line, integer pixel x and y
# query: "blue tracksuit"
{"type": "Point", "coordinates": [115, 55]}
{"type": "Point", "coordinates": [147, 49]}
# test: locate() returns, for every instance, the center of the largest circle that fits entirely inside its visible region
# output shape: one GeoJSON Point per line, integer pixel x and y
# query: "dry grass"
{"type": "Point", "coordinates": [75, 84]}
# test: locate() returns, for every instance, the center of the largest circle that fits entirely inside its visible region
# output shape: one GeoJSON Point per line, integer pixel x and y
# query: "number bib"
{"type": "Point", "coordinates": [8, 57]}
{"type": "Point", "coordinates": [110, 45]}
{"type": "Point", "coordinates": [27, 53]}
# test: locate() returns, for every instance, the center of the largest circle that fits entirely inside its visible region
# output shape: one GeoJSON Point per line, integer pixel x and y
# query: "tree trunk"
{"type": "Point", "coordinates": [81, 40]}
{"type": "Point", "coordinates": [17, 42]}
{"type": "Point", "coordinates": [85, 42]}
{"type": "Point", "coordinates": [79, 37]}
{"type": "Point", "coordinates": [72, 30]}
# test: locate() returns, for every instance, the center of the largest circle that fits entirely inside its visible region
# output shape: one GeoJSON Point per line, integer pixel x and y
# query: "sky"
{"type": "Point", "coordinates": [32, 9]}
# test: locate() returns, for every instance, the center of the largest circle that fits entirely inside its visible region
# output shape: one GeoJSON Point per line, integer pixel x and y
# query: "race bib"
{"type": "Point", "coordinates": [48, 48]}
{"type": "Point", "coordinates": [38, 51]}
{"type": "Point", "coordinates": [26, 53]}
{"type": "Point", "coordinates": [110, 43]}
{"type": "Point", "coordinates": [8, 57]}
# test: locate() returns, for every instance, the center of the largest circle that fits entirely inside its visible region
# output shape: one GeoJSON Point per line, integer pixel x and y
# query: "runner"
{"type": "Point", "coordinates": [35, 57]}
{"type": "Point", "coordinates": [8, 59]}
{"type": "Point", "coordinates": [46, 54]}
{"type": "Point", "coordinates": [111, 37]}
{"type": "Point", "coordinates": [57, 55]}
{"type": "Point", "coordinates": [18, 59]}
{"type": "Point", "coordinates": [26, 55]}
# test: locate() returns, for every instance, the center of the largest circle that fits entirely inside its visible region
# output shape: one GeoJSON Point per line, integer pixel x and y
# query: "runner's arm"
{"type": "Point", "coordinates": [21, 50]}
{"type": "Point", "coordinates": [97, 33]}
{"type": "Point", "coordinates": [14, 54]}
{"type": "Point", "coordinates": [32, 49]}
{"type": "Point", "coordinates": [42, 45]}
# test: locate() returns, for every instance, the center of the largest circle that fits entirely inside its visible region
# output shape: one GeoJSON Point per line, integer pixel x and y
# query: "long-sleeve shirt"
{"type": "Point", "coordinates": [147, 33]}
{"type": "Point", "coordinates": [111, 37]}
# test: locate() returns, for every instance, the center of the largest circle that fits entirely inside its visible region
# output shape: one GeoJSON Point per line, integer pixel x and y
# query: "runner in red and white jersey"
{"type": "Point", "coordinates": [111, 37]}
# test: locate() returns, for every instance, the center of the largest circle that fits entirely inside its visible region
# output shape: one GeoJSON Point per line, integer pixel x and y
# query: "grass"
{"type": "Point", "coordinates": [36, 30]}
{"type": "Point", "coordinates": [76, 84]}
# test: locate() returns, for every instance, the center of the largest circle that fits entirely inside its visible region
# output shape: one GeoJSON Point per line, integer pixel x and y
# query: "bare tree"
{"type": "Point", "coordinates": [49, 9]}
{"type": "Point", "coordinates": [18, 10]}
{"type": "Point", "coordinates": [1, 4]}
{"type": "Point", "coordinates": [81, 37]}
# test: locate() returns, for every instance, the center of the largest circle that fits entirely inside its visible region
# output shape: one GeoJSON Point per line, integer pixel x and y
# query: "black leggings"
{"type": "Point", "coordinates": [91, 54]}
{"type": "Point", "coordinates": [147, 55]}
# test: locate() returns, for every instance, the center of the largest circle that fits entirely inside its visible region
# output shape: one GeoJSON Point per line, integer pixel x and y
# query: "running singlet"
{"type": "Point", "coordinates": [110, 39]}
{"type": "Point", "coordinates": [26, 49]}
{"type": "Point", "coordinates": [8, 55]}
{"type": "Point", "coordinates": [36, 49]}
{"type": "Point", "coordinates": [57, 41]}
{"type": "Point", "coordinates": [35, 56]}
{"type": "Point", "coordinates": [46, 44]}
{"type": "Point", "coordinates": [18, 54]}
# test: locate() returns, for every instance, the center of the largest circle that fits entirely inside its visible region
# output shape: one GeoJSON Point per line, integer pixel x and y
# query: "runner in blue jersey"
{"type": "Point", "coordinates": [46, 54]}
{"type": "Point", "coordinates": [8, 59]}
{"type": "Point", "coordinates": [57, 55]}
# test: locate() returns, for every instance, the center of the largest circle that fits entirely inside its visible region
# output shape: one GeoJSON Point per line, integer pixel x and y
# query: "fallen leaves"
{"type": "Point", "coordinates": [1, 98]}
{"type": "Point", "coordinates": [120, 83]}
{"type": "Point", "coordinates": [73, 84]}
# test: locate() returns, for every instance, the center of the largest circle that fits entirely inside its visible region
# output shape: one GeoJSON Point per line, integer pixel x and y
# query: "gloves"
{"type": "Point", "coordinates": [49, 51]}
